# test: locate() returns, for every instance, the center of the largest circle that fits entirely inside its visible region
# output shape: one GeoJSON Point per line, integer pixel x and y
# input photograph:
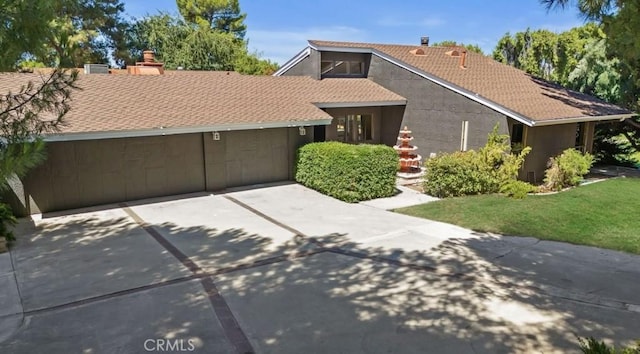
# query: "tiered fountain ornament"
{"type": "Point", "coordinates": [410, 169]}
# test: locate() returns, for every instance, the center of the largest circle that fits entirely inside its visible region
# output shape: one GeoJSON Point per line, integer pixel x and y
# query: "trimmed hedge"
{"type": "Point", "coordinates": [347, 172]}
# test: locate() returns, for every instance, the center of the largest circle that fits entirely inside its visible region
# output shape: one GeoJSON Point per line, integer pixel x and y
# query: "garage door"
{"type": "Point", "coordinates": [93, 172]}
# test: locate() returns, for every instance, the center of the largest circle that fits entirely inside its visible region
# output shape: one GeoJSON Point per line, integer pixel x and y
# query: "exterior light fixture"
{"type": "Point", "coordinates": [302, 131]}
{"type": "Point", "coordinates": [216, 136]}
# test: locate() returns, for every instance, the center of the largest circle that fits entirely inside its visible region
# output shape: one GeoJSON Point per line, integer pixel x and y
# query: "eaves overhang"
{"type": "Point", "coordinates": [360, 104]}
{"type": "Point", "coordinates": [160, 131]}
{"type": "Point", "coordinates": [541, 123]}
{"type": "Point", "coordinates": [293, 61]}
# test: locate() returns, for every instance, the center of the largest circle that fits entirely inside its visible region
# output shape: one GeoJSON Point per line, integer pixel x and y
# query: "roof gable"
{"type": "Point", "coordinates": [501, 87]}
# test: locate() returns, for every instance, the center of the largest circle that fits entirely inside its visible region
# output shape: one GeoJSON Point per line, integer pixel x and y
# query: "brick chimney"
{"type": "Point", "coordinates": [148, 65]}
{"type": "Point", "coordinates": [424, 41]}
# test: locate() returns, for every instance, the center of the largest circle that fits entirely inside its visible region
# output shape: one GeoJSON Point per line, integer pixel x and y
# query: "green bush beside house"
{"type": "Point", "coordinates": [492, 169]}
{"type": "Point", "coordinates": [348, 172]}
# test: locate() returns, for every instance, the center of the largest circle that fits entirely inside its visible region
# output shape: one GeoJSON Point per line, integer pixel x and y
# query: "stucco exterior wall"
{"type": "Point", "coordinates": [94, 172]}
{"type": "Point", "coordinates": [434, 113]}
{"type": "Point", "coordinates": [309, 66]}
{"type": "Point", "coordinates": [546, 142]}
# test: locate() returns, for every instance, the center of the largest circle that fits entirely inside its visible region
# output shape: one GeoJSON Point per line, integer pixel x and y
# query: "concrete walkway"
{"type": "Point", "coordinates": [406, 197]}
{"type": "Point", "coordinates": [283, 269]}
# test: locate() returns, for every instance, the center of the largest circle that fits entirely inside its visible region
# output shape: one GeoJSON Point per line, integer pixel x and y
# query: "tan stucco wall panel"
{"type": "Point", "coordinates": [546, 141]}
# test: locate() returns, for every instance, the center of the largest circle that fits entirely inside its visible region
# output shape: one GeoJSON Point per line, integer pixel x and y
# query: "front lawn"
{"type": "Point", "coordinates": [604, 214]}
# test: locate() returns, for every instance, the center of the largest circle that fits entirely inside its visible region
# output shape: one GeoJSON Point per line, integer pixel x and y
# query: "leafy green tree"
{"type": "Point", "coordinates": [470, 47]}
{"type": "Point", "coordinates": [251, 64]}
{"type": "Point", "coordinates": [620, 21]}
{"type": "Point", "coordinates": [222, 15]}
{"type": "Point", "coordinates": [23, 28]}
{"type": "Point", "coordinates": [64, 33]}
{"type": "Point", "coordinates": [596, 74]}
{"type": "Point", "coordinates": [180, 44]}
{"type": "Point", "coordinates": [35, 109]}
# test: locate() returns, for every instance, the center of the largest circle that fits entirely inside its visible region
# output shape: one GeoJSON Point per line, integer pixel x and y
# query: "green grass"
{"type": "Point", "coordinates": [604, 214]}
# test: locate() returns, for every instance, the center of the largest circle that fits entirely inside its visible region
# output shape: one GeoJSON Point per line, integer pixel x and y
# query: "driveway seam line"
{"type": "Point", "coordinates": [220, 271]}
{"type": "Point", "coordinates": [232, 330]}
{"type": "Point", "coordinates": [108, 296]}
{"type": "Point", "coordinates": [265, 216]}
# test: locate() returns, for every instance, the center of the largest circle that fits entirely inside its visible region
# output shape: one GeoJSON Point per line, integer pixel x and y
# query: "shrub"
{"type": "Point", "coordinates": [7, 220]}
{"type": "Point", "coordinates": [488, 170]}
{"type": "Point", "coordinates": [593, 346]}
{"type": "Point", "coordinates": [348, 172]}
{"type": "Point", "coordinates": [517, 189]}
{"type": "Point", "coordinates": [567, 169]}
{"type": "Point", "coordinates": [457, 174]}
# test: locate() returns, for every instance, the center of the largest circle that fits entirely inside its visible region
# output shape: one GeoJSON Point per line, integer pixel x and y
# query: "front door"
{"type": "Point", "coordinates": [354, 128]}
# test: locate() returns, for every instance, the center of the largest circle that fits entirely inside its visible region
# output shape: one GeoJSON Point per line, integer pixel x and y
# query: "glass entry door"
{"type": "Point", "coordinates": [354, 128]}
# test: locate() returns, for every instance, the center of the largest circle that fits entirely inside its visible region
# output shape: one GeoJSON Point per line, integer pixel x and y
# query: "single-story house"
{"type": "Point", "coordinates": [152, 132]}
{"type": "Point", "coordinates": [455, 98]}
{"type": "Point", "coordinates": [146, 132]}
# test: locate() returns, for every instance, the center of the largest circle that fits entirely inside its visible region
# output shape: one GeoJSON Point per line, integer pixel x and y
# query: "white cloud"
{"type": "Point", "coordinates": [282, 45]}
{"type": "Point", "coordinates": [432, 21]}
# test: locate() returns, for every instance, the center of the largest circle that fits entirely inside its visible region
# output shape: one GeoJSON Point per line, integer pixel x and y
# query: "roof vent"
{"type": "Point", "coordinates": [96, 68]}
{"type": "Point", "coordinates": [463, 60]}
{"type": "Point", "coordinates": [417, 51]}
{"type": "Point", "coordinates": [453, 53]}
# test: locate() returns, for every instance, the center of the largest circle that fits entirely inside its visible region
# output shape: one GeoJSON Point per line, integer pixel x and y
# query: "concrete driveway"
{"type": "Point", "coordinates": [283, 269]}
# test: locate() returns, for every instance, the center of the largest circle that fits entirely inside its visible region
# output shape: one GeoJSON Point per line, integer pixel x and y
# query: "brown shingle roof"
{"type": "Point", "coordinates": [513, 89]}
{"type": "Point", "coordinates": [192, 99]}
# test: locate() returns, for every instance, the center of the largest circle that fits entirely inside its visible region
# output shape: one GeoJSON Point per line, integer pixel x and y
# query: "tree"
{"type": "Point", "coordinates": [26, 115]}
{"type": "Point", "coordinates": [470, 47]}
{"type": "Point", "coordinates": [620, 21]}
{"type": "Point", "coordinates": [251, 64]}
{"type": "Point", "coordinates": [63, 33]}
{"type": "Point", "coordinates": [23, 27]}
{"type": "Point", "coordinates": [222, 15]}
{"type": "Point", "coordinates": [84, 31]}
{"type": "Point", "coordinates": [180, 44]}
{"type": "Point", "coordinates": [542, 53]}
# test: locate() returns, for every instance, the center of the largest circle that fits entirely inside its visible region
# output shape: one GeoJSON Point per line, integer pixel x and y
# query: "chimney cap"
{"type": "Point", "coordinates": [424, 41]}
{"type": "Point", "coordinates": [148, 56]}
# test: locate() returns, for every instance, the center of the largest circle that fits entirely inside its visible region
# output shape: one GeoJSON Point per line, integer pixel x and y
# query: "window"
{"type": "Point", "coordinates": [517, 137]}
{"type": "Point", "coordinates": [356, 68]}
{"type": "Point", "coordinates": [517, 133]}
{"type": "Point", "coordinates": [354, 128]}
{"type": "Point", "coordinates": [340, 67]}
{"type": "Point", "coordinates": [366, 127]}
{"type": "Point", "coordinates": [464, 135]}
{"type": "Point", "coordinates": [580, 137]}
{"type": "Point", "coordinates": [342, 127]}
{"type": "Point", "coordinates": [326, 66]}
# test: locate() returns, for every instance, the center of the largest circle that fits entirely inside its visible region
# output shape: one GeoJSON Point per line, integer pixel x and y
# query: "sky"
{"type": "Point", "coordinates": [279, 29]}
